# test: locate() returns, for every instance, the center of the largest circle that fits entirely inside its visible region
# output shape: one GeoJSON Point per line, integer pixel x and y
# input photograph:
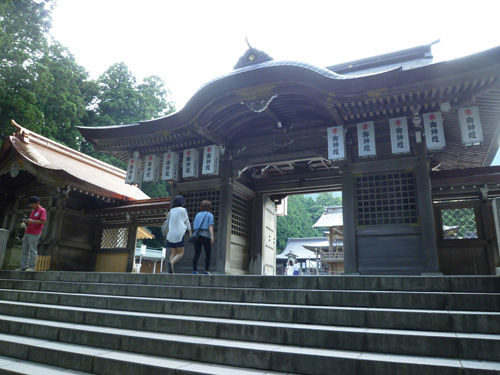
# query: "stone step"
{"type": "Point", "coordinates": [108, 362]}
{"type": "Point", "coordinates": [14, 366]}
{"type": "Point", "coordinates": [480, 284]}
{"type": "Point", "coordinates": [409, 319]}
{"type": "Point", "coordinates": [425, 343]}
{"type": "Point", "coordinates": [264, 357]}
{"type": "Point", "coordinates": [353, 298]}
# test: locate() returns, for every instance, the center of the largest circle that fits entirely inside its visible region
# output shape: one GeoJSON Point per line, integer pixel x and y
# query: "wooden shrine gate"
{"type": "Point", "coordinates": [269, 129]}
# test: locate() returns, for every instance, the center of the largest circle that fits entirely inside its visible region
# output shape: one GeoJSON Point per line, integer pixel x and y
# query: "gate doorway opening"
{"type": "Point", "coordinates": [310, 235]}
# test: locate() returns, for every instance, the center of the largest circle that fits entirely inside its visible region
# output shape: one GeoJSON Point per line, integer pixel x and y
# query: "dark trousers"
{"type": "Point", "coordinates": [205, 241]}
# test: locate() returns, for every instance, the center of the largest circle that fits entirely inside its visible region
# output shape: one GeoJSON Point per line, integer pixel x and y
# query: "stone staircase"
{"type": "Point", "coordinates": [108, 323]}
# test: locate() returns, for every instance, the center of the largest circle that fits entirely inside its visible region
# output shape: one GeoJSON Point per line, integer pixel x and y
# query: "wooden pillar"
{"type": "Point", "coordinates": [9, 209]}
{"type": "Point", "coordinates": [96, 246]}
{"type": "Point", "coordinates": [132, 238]}
{"type": "Point", "coordinates": [487, 221]}
{"type": "Point", "coordinates": [14, 216]}
{"type": "Point", "coordinates": [255, 252]}
{"type": "Point", "coordinates": [55, 221]}
{"type": "Point", "coordinates": [348, 193]}
{"type": "Point", "coordinates": [426, 214]}
{"type": "Point", "coordinates": [223, 254]}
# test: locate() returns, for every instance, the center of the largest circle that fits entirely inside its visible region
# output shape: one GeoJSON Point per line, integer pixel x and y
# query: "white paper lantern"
{"type": "Point", "coordinates": [170, 166]}
{"type": "Point", "coordinates": [211, 157]}
{"type": "Point", "coordinates": [190, 163]}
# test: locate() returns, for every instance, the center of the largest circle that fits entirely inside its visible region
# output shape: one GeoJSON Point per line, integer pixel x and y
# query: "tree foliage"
{"type": "Point", "coordinates": [23, 26]}
{"type": "Point", "coordinates": [303, 212]}
{"type": "Point", "coordinates": [122, 101]}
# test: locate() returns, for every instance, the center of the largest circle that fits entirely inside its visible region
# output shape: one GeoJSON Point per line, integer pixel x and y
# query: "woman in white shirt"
{"type": "Point", "coordinates": [177, 226]}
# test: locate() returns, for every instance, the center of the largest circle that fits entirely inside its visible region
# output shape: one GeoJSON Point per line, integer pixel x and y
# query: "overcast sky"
{"type": "Point", "coordinates": [188, 43]}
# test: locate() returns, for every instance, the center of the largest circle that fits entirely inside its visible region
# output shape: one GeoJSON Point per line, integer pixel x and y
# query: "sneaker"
{"type": "Point", "coordinates": [170, 270]}
{"type": "Point", "coordinates": [195, 272]}
{"type": "Point", "coordinates": [206, 272]}
{"type": "Point", "coordinates": [30, 269]}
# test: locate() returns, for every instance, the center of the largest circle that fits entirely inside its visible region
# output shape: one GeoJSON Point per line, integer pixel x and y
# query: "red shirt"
{"type": "Point", "coordinates": [37, 214]}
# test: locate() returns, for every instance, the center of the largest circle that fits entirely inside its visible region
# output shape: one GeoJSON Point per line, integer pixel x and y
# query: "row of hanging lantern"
{"type": "Point", "coordinates": [468, 118]}
{"type": "Point", "coordinates": [165, 167]}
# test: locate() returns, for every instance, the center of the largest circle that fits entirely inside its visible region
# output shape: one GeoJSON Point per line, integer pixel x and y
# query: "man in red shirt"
{"type": "Point", "coordinates": [32, 235]}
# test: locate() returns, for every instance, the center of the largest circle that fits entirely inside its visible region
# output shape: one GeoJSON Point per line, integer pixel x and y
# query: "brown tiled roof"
{"type": "Point", "coordinates": [74, 169]}
{"type": "Point", "coordinates": [138, 208]}
{"type": "Point", "coordinates": [144, 234]}
{"type": "Point", "coordinates": [314, 98]}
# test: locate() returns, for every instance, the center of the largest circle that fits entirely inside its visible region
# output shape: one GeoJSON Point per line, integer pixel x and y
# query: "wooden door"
{"type": "Point", "coordinates": [269, 237]}
{"type": "Point", "coordinates": [462, 246]}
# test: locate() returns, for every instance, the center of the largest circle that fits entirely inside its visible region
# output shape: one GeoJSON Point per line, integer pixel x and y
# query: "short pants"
{"type": "Point", "coordinates": [175, 244]}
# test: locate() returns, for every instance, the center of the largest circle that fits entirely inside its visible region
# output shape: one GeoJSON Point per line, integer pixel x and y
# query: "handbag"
{"type": "Point", "coordinates": [196, 232]}
{"type": "Point", "coordinates": [164, 226]}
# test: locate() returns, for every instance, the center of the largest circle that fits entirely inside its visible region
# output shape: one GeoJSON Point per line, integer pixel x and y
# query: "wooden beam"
{"type": "Point", "coordinates": [209, 135]}
{"type": "Point", "coordinates": [279, 157]}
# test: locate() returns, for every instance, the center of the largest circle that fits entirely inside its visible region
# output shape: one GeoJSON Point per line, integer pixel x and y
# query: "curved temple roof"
{"type": "Point", "coordinates": [314, 98]}
{"type": "Point", "coordinates": [52, 161]}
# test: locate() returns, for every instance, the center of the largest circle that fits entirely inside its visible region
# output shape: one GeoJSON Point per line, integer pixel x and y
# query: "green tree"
{"type": "Point", "coordinates": [118, 99]}
{"type": "Point", "coordinates": [23, 26]}
{"type": "Point", "coordinates": [303, 212]}
{"type": "Point", "coordinates": [67, 96]}
{"type": "Point", "coordinates": [122, 101]}
{"type": "Point", "coordinates": [153, 98]}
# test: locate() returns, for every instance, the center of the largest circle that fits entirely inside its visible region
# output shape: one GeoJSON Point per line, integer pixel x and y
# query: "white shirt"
{"type": "Point", "coordinates": [178, 224]}
{"type": "Point", "coordinates": [289, 270]}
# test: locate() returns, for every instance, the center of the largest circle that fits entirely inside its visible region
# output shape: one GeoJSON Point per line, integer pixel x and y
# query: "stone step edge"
{"type": "Point", "coordinates": [260, 323]}
{"type": "Point", "coordinates": [305, 297]}
{"type": "Point", "coordinates": [108, 297]}
{"type": "Point", "coordinates": [354, 291]}
{"type": "Point", "coordinates": [110, 358]}
{"type": "Point", "coordinates": [37, 347]}
{"type": "Point", "coordinates": [465, 322]}
{"type": "Point", "coordinates": [62, 328]}
{"type": "Point", "coordinates": [442, 283]}
{"type": "Point", "coordinates": [11, 366]}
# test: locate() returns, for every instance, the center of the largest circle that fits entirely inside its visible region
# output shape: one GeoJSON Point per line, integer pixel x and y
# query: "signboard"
{"type": "Point", "coordinates": [335, 136]}
{"type": "Point", "coordinates": [211, 157]}
{"type": "Point", "coordinates": [190, 161]}
{"type": "Point", "coordinates": [170, 167]}
{"type": "Point", "coordinates": [366, 139]}
{"type": "Point", "coordinates": [470, 125]}
{"type": "Point", "coordinates": [400, 142]}
{"type": "Point", "coordinates": [151, 168]}
{"type": "Point", "coordinates": [134, 171]}
{"type": "Point", "coordinates": [434, 133]}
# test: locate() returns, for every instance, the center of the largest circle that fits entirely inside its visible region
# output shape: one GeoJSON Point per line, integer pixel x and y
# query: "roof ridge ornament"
{"type": "Point", "coordinates": [252, 56]}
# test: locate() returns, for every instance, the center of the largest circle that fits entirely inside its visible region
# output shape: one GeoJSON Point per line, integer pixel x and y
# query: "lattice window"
{"type": "Point", "coordinates": [386, 199]}
{"type": "Point", "coordinates": [458, 223]}
{"type": "Point", "coordinates": [193, 201]}
{"type": "Point", "coordinates": [241, 207]}
{"type": "Point", "coordinates": [114, 238]}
